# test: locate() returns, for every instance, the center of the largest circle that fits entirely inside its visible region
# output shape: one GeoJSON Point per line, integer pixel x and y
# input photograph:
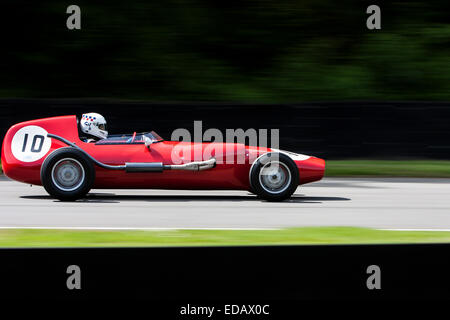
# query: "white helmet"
{"type": "Point", "coordinates": [94, 124]}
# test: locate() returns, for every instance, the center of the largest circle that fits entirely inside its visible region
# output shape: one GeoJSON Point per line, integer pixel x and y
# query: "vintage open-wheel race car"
{"type": "Point", "coordinates": [49, 152]}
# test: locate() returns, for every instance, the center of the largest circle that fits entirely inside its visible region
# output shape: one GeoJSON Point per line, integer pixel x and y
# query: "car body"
{"type": "Point", "coordinates": [27, 145]}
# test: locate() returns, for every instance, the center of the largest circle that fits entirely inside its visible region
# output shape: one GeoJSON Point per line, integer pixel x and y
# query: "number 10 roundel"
{"type": "Point", "coordinates": [30, 143]}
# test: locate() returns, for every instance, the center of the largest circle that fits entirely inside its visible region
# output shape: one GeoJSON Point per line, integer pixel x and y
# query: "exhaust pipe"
{"type": "Point", "coordinates": [159, 167]}
{"type": "Point", "coordinates": [193, 166]}
{"type": "Point", "coordinates": [144, 167]}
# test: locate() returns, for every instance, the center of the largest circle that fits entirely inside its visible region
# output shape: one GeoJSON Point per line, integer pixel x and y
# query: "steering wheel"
{"type": "Point", "coordinates": [132, 138]}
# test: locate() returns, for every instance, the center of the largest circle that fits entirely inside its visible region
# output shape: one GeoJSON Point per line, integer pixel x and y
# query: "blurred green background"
{"type": "Point", "coordinates": [245, 51]}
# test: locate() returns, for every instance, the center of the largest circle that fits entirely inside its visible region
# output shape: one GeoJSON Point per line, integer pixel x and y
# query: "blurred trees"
{"type": "Point", "coordinates": [247, 51]}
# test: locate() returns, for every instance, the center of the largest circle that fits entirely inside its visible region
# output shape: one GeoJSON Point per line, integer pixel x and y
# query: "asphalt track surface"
{"type": "Point", "coordinates": [388, 203]}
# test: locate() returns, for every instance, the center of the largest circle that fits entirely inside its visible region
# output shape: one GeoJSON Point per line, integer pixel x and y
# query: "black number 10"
{"type": "Point", "coordinates": [33, 144]}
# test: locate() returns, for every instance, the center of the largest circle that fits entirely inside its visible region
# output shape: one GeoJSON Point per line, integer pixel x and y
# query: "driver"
{"type": "Point", "coordinates": [94, 126]}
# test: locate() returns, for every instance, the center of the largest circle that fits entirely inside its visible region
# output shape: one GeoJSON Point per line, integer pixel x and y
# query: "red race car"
{"type": "Point", "coordinates": [49, 152]}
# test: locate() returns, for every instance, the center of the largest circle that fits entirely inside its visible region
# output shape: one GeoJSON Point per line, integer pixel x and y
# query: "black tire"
{"type": "Point", "coordinates": [259, 183]}
{"type": "Point", "coordinates": [73, 164]}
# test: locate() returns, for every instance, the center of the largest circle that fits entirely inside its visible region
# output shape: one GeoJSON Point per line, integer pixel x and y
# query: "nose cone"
{"type": "Point", "coordinates": [311, 169]}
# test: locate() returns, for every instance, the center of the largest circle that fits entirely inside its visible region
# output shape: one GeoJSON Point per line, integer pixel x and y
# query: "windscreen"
{"type": "Point", "coordinates": [129, 138]}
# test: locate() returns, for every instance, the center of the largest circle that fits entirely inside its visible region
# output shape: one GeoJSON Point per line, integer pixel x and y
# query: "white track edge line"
{"type": "Point", "coordinates": [435, 230]}
{"type": "Point", "coordinates": [182, 228]}
{"type": "Point", "coordinates": [130, 228]}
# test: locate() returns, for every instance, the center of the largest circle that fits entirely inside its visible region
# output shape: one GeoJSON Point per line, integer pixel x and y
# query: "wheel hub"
{"type": "Point", "coordinates": [275, 177]}
{"type": "Point", "coordinates": [67, 174]}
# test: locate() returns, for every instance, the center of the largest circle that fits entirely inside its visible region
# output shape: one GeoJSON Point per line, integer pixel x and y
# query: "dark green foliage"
{"type": "Point", "coordinates": [250, 51]}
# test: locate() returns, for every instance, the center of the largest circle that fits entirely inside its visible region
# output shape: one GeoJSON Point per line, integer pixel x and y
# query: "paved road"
{"type": "Point", "coordinates": [378, 203]}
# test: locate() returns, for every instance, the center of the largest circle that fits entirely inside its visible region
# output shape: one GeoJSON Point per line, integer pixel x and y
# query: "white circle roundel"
{"type": "Point", "coordinates": [30, 143]}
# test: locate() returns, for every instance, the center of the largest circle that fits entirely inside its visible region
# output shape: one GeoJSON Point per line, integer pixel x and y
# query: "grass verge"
{"type": "Point", "coordinates": [307, 235]}
{"type": "Point", "coordinates": [388, 168]}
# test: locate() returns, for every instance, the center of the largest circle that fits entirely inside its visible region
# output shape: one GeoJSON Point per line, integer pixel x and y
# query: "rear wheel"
{"type": "Point", "coordinates": [67, 174]}
{"type": "Point", "coordinates": [274, 177]}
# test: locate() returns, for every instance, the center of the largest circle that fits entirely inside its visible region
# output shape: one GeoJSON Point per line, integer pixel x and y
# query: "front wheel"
{"type": "Point", "coordinates": [274, 177]}
{"type": "Point", "coordinates": [67, 174]}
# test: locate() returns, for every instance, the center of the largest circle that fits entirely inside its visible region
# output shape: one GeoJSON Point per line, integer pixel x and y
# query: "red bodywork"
{"type": "Point", "coordinates": [222, 176]}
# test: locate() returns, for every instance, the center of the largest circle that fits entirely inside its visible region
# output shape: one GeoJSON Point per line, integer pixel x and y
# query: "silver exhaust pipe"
{"type": "Point", "coordinates": [193, 166]}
